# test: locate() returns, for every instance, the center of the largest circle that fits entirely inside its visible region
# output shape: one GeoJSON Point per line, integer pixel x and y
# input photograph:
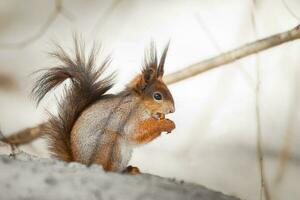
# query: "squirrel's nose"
{"type": "Point", "coordinates": [172, 109]}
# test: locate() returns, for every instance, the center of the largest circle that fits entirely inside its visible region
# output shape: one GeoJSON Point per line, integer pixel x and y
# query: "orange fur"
{"type": "Point", "coordinates": [150, 129]}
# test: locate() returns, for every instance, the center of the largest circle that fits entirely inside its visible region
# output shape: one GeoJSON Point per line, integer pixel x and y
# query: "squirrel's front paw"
{"type": "Point", "coordinates": [167, 125]}
{"type": "Point", "coordinates": [131, 170]}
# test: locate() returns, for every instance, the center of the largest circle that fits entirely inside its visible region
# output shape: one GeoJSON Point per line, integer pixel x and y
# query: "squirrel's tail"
{"type": "Point", "coordinates": [85, 88]}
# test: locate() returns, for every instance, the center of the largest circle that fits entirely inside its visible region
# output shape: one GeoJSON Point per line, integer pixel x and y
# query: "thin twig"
{"type": "Point", "coordinates": [1, 135]}
{"type": "Point", "coordinates": [233, 55]}
{"type": "Point", "coordinates": [290, 10]}
{"type": "Point", "coordinates": [284, 156]}
{"type": "Point", "coordinates": [42, 30]}
{"type": "Point", "coordinates": [285, 151]}
{"type": "Point", "coordinates": [105, 15]}
{"type": "Point", "coordinates": [209, 34]}
{"type": "Point", "coordinates": [264, 189]}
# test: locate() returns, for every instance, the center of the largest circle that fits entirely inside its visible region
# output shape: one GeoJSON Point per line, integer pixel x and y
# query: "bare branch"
{"type": "Point", "coordinates": [42, 30]}
{"type": "Point", "coordinates": [24, 136]}
{"type": "Point", "coordinates": [12, 146]}
{"type": "Point", "coordinates": [233, 55]}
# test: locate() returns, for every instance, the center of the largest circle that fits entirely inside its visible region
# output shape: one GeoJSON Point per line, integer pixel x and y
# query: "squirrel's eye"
{"type": "Point", "coordinates": [157, 96]}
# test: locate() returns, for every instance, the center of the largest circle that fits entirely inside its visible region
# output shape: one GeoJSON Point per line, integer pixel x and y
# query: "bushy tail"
{"type": "Point", "coordinates": [84, 89]}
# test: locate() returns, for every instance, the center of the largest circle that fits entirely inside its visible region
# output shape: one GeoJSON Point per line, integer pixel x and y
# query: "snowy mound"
{"type": "Point", "coordinates": [27, 177]}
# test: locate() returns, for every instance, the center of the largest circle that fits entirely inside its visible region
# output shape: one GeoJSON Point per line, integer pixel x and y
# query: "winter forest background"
{"type": "Point", "coordinates": [215, 142]}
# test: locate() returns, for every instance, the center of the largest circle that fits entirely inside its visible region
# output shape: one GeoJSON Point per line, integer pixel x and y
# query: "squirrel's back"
{"type": "Point", "coordinates": [103, 125]}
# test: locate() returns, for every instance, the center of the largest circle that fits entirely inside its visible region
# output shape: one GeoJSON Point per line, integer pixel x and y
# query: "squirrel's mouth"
{"type": "Point", "coordinates": [159, 115]}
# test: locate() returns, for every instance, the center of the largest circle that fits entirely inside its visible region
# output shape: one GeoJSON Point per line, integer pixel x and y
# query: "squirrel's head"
{"type": "Point", "coordinates": [150, 87]}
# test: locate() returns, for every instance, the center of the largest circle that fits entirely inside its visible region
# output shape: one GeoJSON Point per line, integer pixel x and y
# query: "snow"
{"type": "Point", "coordinates": [29, 177]}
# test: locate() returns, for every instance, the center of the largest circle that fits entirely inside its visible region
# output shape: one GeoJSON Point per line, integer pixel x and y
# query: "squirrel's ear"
{"type": "Point", "coordinates": [140, 82]}
{"type": "Point", "coordinates": [160, 69]}
{"type": "Point", "coordinates": [151, 69]}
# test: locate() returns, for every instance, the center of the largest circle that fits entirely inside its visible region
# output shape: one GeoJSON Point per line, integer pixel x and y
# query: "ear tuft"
{"type": "Point", "coordinates": [160, 69]}
{"type": "Point", "coordinates": [151, 69]}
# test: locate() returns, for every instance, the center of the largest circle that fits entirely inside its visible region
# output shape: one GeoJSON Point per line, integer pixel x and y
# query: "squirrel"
{"type": "Point", "coordinates": [94, 127]}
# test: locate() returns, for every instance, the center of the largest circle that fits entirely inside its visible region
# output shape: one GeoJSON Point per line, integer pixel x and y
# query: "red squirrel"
{"type": "Point", "coordinates": [94, 127]}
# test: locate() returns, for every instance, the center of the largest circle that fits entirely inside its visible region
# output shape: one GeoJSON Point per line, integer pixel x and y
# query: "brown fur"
{"type": "Point", "coordinates": [109, 153]}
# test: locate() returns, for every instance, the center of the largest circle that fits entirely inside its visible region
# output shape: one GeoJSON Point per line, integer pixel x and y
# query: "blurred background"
{"type": "Point", "coordinates": [215, 141]}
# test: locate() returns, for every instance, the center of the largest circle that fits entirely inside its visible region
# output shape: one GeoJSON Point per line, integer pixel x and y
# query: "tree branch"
{"type": "Point", "coordinates": [233, 55]}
